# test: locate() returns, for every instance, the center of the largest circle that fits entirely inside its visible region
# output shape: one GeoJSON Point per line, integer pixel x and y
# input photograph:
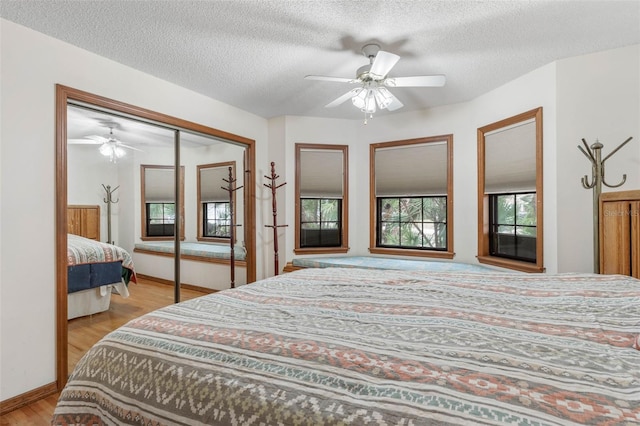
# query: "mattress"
{"type": "Point", "coordinates": [374, 262]}
{"type": "Point", "coordinates": [206, 250]}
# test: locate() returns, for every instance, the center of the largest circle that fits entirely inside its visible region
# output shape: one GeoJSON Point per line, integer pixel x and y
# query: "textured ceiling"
{"type": "Point", "coordinates": [254, 54]}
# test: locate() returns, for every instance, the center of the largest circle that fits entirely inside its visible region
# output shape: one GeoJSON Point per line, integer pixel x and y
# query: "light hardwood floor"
{"type": "Point", "coordinates": [146, 296]}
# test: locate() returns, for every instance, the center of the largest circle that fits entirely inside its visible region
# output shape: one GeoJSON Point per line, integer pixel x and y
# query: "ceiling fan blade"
{"type": "Point", "coordinates": [83, 141]}
{"type": "Point", "coordinates": [416, 81]}
{"type": "Point", "coordinates": [334, 79]}
{"type": "Point", "coordinates": [395, 104]}
{"type": "Point", "coordinates": [351, 93]}
{"type": "Point", "coordinates": [99, 139]}
{"type": "Point", "coordinates": [383, 63]}
{"type": "Point", "coordinates": [130, 147]}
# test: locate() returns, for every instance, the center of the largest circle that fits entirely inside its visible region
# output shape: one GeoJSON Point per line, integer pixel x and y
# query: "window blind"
{"type": "Point", "coordinates": [510, 159]}
{"type": "Point", "coordinates": [159, 185]}
{"type": "Point", "coordinates": [411, 170]}
{"type": "Point", "coordinates": [212, 184]}
{"type": "Point", "coordinates": [321, 173]}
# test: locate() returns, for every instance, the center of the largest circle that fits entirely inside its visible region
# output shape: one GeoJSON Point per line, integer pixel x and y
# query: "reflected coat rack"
{"type": "Point", "coordinates": [231, 188]}
{"type": "Point", "coordinates": [272, 185]}
{"type": "Point", "coordinates": [109, 200]}
{"type": "Point", "coordinates": [594, 155]}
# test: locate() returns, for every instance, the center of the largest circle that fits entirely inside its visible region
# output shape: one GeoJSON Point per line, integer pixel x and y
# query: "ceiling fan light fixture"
{"type": "Point", "coordinates": [370, 102]}
{"type": "Point", "coordinates": [383, 97]}
{"type": "Point", "coordinates": [359, 99]}
{"type": "Point", "coordinates": [112, 150]}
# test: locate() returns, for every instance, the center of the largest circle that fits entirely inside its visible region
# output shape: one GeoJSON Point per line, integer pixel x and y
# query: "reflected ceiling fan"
{"type": "Point", "coordinates": [110, 146]}
{"type": "Point", "coordinates": [373, 81]}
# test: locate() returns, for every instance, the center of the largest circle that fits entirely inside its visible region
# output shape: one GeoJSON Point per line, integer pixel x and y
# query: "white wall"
{"type": "Point", "coordinates": [598, 99]}
{"type": "Point", "coordinates": [31, 66]}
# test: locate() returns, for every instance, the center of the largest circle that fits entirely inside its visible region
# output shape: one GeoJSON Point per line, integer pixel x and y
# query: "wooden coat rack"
{"type": "Point", "coordinates": [231, 188]}
{"type": "Point", "coordinates": [275, 225]}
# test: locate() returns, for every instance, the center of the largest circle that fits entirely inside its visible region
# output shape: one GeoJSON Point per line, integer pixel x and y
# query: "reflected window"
{"type": "Point", "coordinates": [321, 198]}
{"type": "Point", "coordinates": [215, 201]}
{"type": "Point", "coordinates": [412, 197]}
{"type": "Point", "coordinates": [158, 202]}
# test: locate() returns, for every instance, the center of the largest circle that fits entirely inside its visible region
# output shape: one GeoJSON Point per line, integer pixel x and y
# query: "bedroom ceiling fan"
{"type": "Point", "coordinates": [373, 81]}
{"type": "Point", "coordinates": [110, 146]}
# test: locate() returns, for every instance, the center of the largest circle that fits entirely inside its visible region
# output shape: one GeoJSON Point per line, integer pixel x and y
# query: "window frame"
{"type": "Point", "coordinates": [143, 209]}
{"type": "Point", "coordinates": [200, 205]}
{"type": "Point", "coordinates": [344, 214]}
{"type": "Point", "coordinates": [448, 253]}
{"type": "Point", "coordinates": [484, 254]}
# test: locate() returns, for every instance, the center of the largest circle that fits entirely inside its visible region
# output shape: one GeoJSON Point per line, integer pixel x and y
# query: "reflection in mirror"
{"type": "Point", "coordinates": [321, 198]}
{"type": "Point", "coordinates": [101, 144]}
{"type": "Point", "coordinates": [158, 206]}
{"type": "Point", "coordinates": [510, 191]}
{"type": "Point", "coordinates": [216, 201]}
{"type": "Point", "coordinates": [412, 197]}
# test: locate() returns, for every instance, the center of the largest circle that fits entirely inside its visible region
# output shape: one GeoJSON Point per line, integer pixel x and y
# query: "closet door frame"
{"type": "Point", "coordinates": [64, 95]}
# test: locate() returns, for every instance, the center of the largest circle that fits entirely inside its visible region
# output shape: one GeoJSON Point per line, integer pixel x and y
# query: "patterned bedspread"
{"type": "Point", "coordinates": [82, 250]}
{"type": "Point", "coordinates": [375, 347]}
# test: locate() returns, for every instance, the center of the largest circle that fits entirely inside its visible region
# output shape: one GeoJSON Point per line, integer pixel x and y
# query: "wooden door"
{"type": "Point", "coordinates": [619, 218]}
{"type": "Point", "coordinates": [615, 245]}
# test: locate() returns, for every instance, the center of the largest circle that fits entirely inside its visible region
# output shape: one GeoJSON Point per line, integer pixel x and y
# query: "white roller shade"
{"type": "Point", "coordinates": [159, 185]}
{"type": "Point", "coordinates": [212, 184]}
{"type": "Point", "coordinates": [411, 170]}
{"type": "Point", "coordinates": [321, 173]}
{"type": "Point", "coordinates": [510, 159]}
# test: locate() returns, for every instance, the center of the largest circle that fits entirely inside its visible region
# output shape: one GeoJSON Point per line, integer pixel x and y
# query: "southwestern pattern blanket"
{"type": "Point", "coordinates": [351, 346]}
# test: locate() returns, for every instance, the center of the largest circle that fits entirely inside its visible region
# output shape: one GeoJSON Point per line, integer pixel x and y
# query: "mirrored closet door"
{"type": "Point", "coordinates": [117, 184]}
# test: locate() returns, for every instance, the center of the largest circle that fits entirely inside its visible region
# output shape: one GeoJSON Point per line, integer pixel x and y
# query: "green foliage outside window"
{"type": "Point", "coordinates": [516, 214]}
{"type": "Point", "coordinates": [217, 220]}
{"type": "Point", "coordinates": [413, 222]}
{"type": "Point", "coordinates": [317, 213]}
{"type": "Point", "coordinates": [162, 213]}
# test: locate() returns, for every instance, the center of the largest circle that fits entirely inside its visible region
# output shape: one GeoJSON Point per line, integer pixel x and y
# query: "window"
{"type": "Point", "coordinates": [513, 226]}
{"type": "Point", "coordinates": [412, 222]}
{"type": "Point", "coordinates": [321, 198]}
{"type": "Point", "coordinates": [216, 205]}
{"type": "Point", "coordinates": [217, 219]}
{"type": "Point", "coordinates": [412, 197]}
{"type": "Point", "coordinates": [160, 219]}
{"type": "Point", "coordinates": [158, 202]}
{"type": "Point", "coordinates": [510, 193]}
{"type": "Point", "coordinates": [320, 223]}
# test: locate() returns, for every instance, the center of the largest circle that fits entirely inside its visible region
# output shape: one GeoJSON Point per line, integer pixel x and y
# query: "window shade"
{"type": "Point", "coordinates": [212, 183]}
{"type": "Point", "coordinates": [321, 174]}
{"type": "Point", "coordinates": [411, 170]}
{"type": "Point", "coordinates": [159, 185]}
{"type": "Point", "coordinates": [510, 159]}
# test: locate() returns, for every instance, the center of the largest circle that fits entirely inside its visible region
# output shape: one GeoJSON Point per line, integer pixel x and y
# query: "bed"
{"type": "Point", "coordinates": [95, 270]}
{"type": "Point", "coordinates": [357, 346]}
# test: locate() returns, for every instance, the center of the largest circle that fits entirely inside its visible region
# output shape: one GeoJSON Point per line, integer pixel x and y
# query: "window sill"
{"type": "Point", "coordinates": [320, 250]}
{"type": "Point", "coordinates": [409, 252]}
{"type": "Point", "coordinates": [511, 264]}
